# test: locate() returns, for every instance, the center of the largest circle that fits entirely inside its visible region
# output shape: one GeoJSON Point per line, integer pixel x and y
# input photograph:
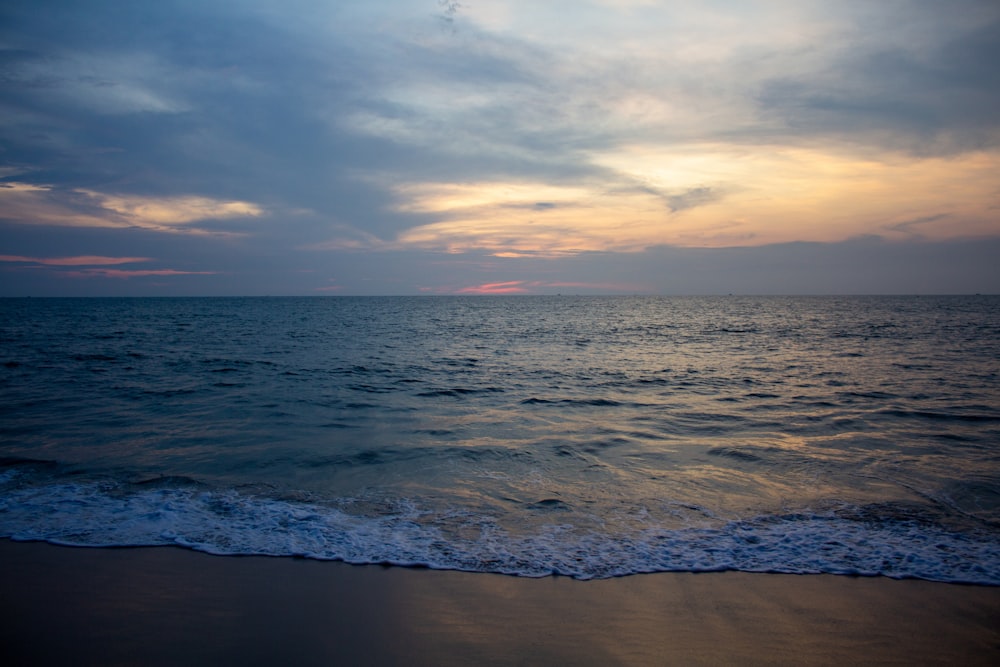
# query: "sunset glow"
{"type": "Point", "coordinates": [406, 147]}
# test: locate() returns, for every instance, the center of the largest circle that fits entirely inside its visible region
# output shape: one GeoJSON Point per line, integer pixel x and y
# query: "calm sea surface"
{"type": "Point", "coordinates": [585, 436]}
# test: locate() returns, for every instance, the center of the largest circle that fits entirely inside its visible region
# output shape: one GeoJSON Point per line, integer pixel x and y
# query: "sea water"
{"type": "Point", "coordinates": [583, 436]}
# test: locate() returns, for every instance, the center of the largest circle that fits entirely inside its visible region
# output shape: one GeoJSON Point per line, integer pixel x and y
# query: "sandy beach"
{"type": "Point", "coordinates": [168, 606]}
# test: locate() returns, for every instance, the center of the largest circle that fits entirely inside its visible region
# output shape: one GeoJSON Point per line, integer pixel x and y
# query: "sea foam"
{"type": "Point", "coordinates": [403, 532]}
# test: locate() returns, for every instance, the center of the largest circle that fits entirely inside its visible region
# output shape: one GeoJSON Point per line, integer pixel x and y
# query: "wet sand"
{"type": "Point", "coordinates": [167, 606]}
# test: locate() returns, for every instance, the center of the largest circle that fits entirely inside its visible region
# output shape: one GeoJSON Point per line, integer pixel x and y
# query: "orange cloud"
{"type": "Point", "coordinates": [712, 195]}
{"type": "Point", "coordinates": [43, 205]}
{"type": "Point", "coordinates": [46, 205]}
{"type": "Point", "coordinates": [161, 212]}
{"type": "Point", "coordinates": [510, 287]}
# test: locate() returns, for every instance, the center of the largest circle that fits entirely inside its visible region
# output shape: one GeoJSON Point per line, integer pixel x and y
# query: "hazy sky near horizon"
{"type": "Point", "coordinates": [426, 147]}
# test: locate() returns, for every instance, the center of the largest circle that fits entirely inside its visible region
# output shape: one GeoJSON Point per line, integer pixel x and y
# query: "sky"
{"type": "Point", "coordinates": [307, 147]}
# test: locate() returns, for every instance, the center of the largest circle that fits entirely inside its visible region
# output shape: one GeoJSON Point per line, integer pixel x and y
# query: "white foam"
{"type": "Point", "coordinates": [404, 533]}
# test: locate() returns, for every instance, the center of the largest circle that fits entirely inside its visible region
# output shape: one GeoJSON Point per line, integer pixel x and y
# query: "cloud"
{"type": "Point", "coordinates": [783, 193]}
{"type": "Point", "coordinates": [695, 121]}
{"type": "Point", "coordinates": [349, 238]}
{"type": "Point", "coordinates": [100, 83]}
{"type": "Point", "coordinates": [92, 266]}
{"type": "Point", "coordinates": [692, 197]}
{"type": "Point", "coordinates": [139, 273]}
{"type": "Point", "coordinates": [534, 218]}
{"type": "Point", "coordinates": [82, 260]}
{"type": "Point", "coordinates": [449, 10]}
{"type": "Point", "coordinates": [48, 205]}
{"type": "Point", "coordinates": [544, 287]}
{"type": "Point", "coordinates": [907, 226]}
{"type": "Point", "coordinates": [591, 131]}
{"type": "Point", "coordinates": [709, 195]}
{"type": "Point", "coordinates": [924, 84]}
{"type": "Point", "coordinates": [165, 212]}
{"type": "Point", "coordinates": [509, 287]}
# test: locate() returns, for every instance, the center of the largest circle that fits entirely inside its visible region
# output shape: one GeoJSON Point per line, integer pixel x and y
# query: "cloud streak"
{"type": "Point", "coordinates": [137, 273]}
{"type": "Point", "coordinates": [542, 286]}
{"type": "Point", "coordinates": [94, 266]}
{"type": "Point", "coordinates": [82, 260]}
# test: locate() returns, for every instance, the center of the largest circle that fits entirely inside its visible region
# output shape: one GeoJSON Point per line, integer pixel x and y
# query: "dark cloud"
{"type": "Point", "coordinates": [692, 198]}
{"type": "Point", "coordinates": [936, 97]}
{"type": "Point", "coordinates": [869, 265]}
{"type": "Point", "coordinates": [913, 226]}
{"type": "Point", "coordinates": [222, 104]}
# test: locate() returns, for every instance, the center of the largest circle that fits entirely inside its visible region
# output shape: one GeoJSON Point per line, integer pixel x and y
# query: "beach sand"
{"type": "Point", "coordinates": [168, 606]}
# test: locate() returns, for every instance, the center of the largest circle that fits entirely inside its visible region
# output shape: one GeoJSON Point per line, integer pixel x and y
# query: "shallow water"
{"type": "Point", "coordinates": [588, 436]}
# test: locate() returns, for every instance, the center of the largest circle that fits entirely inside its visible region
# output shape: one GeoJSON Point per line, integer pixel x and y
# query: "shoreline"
{"type": "Point", "coordinates": [170, 606]}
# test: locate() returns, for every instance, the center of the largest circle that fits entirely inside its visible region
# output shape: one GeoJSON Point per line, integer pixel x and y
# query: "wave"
{"type": "Point", "coordinates": [871, 540]}
{"type": "Point", "coordinates": [960, 415]}
{"type": "Point", "coordinates": [585, 402]}
{"type": "Point", "coordinates": [458, 392]}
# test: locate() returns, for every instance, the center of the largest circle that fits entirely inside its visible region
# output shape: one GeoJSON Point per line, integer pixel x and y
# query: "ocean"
{"type": "Point", "coordinates": [582, 436]}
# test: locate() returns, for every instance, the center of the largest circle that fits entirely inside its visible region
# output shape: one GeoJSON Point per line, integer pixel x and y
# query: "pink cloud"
{"type": "Point", "coordinates": [526, 287]}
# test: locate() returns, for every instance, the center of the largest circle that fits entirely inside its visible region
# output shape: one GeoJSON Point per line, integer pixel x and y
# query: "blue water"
{"type": "Point", "coordinates": [585, 436]}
